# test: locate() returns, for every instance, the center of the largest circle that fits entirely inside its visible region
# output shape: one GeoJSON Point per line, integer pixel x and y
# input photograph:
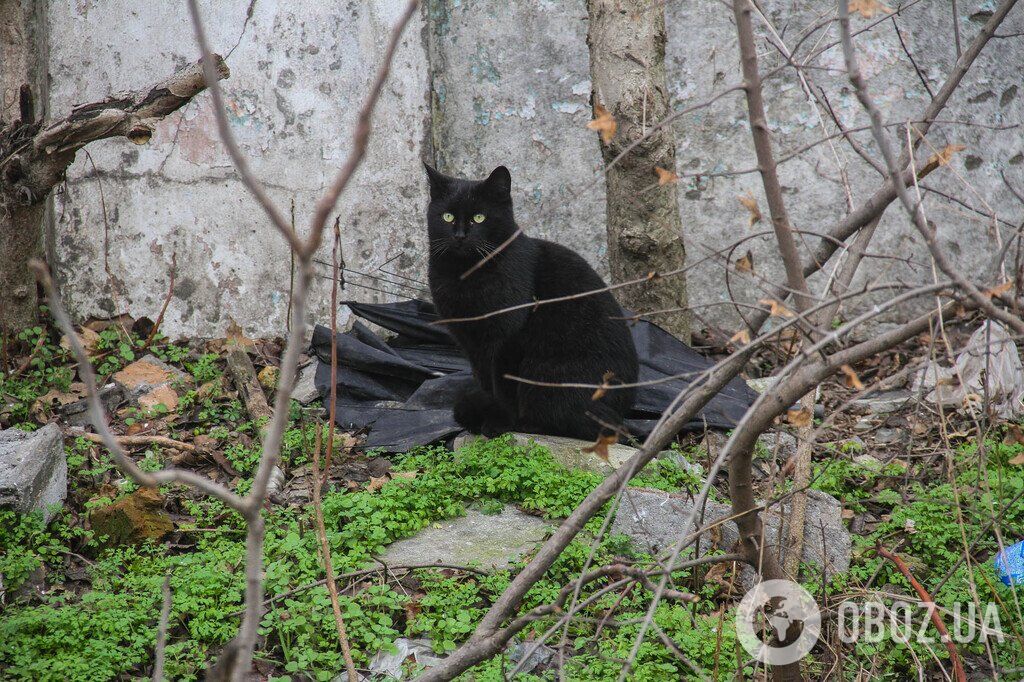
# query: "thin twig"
{"type": "Point", "coordinates": [901, 566]}
{"type": "Point", "coordinates": [161, 631]}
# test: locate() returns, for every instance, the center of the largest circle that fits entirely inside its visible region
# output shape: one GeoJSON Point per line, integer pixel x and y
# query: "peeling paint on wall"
{"type": "Point", "coordinates": [475, 85]}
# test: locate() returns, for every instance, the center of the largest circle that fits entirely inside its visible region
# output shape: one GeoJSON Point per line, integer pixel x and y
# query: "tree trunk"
{"type": "Point", "coordinates": [645, 232]}
{"type": "Point", "coordinates": [22, 85]}
{"type": "Point", "coordinates": [34, 157]}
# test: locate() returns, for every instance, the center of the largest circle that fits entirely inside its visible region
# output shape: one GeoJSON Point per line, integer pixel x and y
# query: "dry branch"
{"type": "Point", "coordinates": [243, 376]}
{"type": "Point", "coordinates": [958, 668]}
{"type": "Point", "coordinates": [35, 155]}
{"type": "Point", "coordinates": [139, 441]}
{"type": "Point", "coordinates": [304, 251]}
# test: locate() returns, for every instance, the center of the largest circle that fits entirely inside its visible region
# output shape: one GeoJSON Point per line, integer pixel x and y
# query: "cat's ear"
{"type": "Point", "coordinates": [438, 182]}
{"type": "Point", "coordinates": [499, 184]}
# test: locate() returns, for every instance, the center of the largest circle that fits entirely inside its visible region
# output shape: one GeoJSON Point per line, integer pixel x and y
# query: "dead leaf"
{"type": "Point", "coordinates": [868, 8]}
{"type": "Point", "coordinates": [742, 337]}
{"type": "Point", "coordinates": [88, 337]}
{"type": "Point", "coordinates": [220, 459]}
{"type": "Point", "coordinates": [600, 448]}
{"type": "Point", "coordinates": [603, 388]}
{"type": "Point", "coordinates": [665, 177]}
{"type": "Point", "coordinates": [847, 514]}
{"type": "Point", "coordinates": [1014, 435]}
{"type": "Point", "coordinates": [745, 263]}
{"type": "Point", "coordinates": [1018, 461]}
{"type": "Point", "coordinates": [161, 395]}
{"type": "Point", "coordinates": [376, 483]}
{"type": "Point", "coordinates": [750, 203]}
{"type": "Point", "coordinates": [790, 340]}
{"type": "Point", "coordinates": [235, 337]}
{"type": "Point", "coordinates": [268, 377]}
{"type": "Point", "coordinates": [999, 289]}
{"type": "Point", "coordinates": [604, 123]}
{"type": "Point", "coordinates": [800, 418]}
{"type": "Point", "coordinates": [852, 380]}
{"type": "Point", "coordinates": [945, 155]}
{"type": "Point", "coordinates": [777, 309]}
{"type": "Point", "coordinates": [405, 475]}
{"type": "Point", "coordinates": [55, 399]}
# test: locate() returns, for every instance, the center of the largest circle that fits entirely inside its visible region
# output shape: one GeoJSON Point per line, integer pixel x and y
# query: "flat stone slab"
{"type": "Point", "coordinates": [653, 520]}
{"type": "Point", "coordinates": [33, 469]}
{"type": "Point", "coordinates": [488, 541]}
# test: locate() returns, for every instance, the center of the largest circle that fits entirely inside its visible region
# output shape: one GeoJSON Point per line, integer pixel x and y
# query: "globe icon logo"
{"type": "Point", "coordinates": [790, 623]}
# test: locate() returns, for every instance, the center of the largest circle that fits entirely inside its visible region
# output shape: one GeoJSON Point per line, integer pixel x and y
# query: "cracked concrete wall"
{"type": "Point", "coordinates": [477, 84]}
{"type": "Point", "coordinates": [299, 71]}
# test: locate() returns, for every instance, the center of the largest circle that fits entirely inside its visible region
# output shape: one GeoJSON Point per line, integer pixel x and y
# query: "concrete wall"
{"type": "Point", "coordinates": [477, 84]}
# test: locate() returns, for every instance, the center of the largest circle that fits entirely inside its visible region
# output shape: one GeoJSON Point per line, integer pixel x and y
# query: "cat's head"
{"type": "Point", "coordinates": [467, 219]}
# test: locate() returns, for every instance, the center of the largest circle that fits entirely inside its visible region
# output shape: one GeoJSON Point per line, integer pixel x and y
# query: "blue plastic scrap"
{"type": "Point", "coordinates": [1009, 564]}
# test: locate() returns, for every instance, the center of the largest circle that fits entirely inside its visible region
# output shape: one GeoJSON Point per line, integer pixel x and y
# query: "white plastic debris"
{"type": "Point", "coordinates": [989, 366]}
{"type": "Point", "coordinates": [390, 664]}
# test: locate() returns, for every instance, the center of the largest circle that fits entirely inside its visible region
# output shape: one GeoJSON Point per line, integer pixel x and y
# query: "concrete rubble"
{"type": "Point", "coordinates": [33, 470]}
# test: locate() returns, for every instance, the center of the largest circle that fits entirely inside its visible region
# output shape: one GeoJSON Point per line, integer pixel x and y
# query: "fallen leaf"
{"type": "Point", "coordinates": [604, 123]}
{"type": "Point", "coordinates": [603, 388]}
{"type": "Point", "coordinates": [868, 8]}
{"type": "Point", "coordinates": [847, 514]}
{"type": "Point", "coordinates": [799, 418]}
{"type": "Point", "coordinates": [750, 203]}
{"type": "Point", "coordinates": [945, 155]}
{"type": "Point", "coordinates": [665, 177]}
{"type": "Point", "coordinates": [852, 380]}
{"type": "Point", "coordinates": [999, 289]}
{"type": "Point", "coordinates": [406, 475]}
{"type": "Point", "coordinates": [221, 460]}
{"type": "Point", "coordinates": [161, 395]}
{"type": "Point", "coordinates": [745, 263]}
{"type": "Point", "coordinates": [56, 399]}
{"type": "Point", "coordinates": [790, 340]}
{"type": "Point", "coordinates": [268, 377]}
{"type": "Point", "coordinates": [742, 337]}
{"type": "Point", "coordinates": [1018, 461]}
{"type": "Point", "coordinates": [600, 448]}
{"type": "Point", "coordinates": [376, 483]}
{"type": "Point", "coordinates": [1014, 435]}
{"type": "Point", "coordinates": [88, 337]}
{"type": "Point", "coordinates": [776, 309]}
{"type": "Point", "coordinates": [235, 337]}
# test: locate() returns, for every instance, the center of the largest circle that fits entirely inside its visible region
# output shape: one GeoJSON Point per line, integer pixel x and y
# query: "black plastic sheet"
{"type": "Point", "coordinates": [402, 390]}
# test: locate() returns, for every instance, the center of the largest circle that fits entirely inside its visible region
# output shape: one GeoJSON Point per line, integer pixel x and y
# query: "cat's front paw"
{"type": "Point", "coordinates": [472, 409]}
{"type": "Point", "coordinates": [492, 427]}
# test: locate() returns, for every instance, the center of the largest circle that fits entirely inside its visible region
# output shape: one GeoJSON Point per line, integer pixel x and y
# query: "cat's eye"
{"type": "Point", "coordinates": [479, 218]}
{"type": "Point", "coordinates": [448, 217]}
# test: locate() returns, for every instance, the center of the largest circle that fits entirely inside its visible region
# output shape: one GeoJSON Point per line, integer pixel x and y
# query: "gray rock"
{"type": "Point", "coordinates": [782, 444]}
{"type": "Point", "coordinates": [33, 469]}
{"type": "Point", "coordinates": [490, 541]}
{"type": "Point", "coordinates": [653, 519]}
{"type": "Point", "coordinates": [882, 403]}
{"type": "Point", "coordinates": [305, 386]}
{"type": "Point", "coordinates": [77, 413]}
{"type": "Point", "coordinates": [887, 435]}
{"type": "Point", "coordinates": [762, 384]}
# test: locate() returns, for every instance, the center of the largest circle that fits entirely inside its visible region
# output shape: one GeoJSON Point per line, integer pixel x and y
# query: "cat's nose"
{"type": "Point", "coordinates": [459, 234]}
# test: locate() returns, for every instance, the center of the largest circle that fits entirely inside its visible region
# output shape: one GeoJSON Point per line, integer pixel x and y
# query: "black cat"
{"type": "Point", "coordinates": [581, 340]}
